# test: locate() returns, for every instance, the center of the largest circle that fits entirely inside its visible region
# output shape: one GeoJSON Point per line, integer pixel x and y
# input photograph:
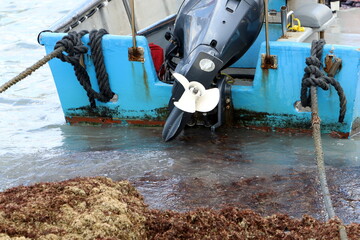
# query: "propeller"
{"type": "Point", "coordinates": [196, 97]}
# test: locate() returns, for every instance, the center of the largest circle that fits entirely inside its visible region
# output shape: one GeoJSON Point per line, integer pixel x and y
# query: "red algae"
{"type": "Point", "coordinates": [99, 208]}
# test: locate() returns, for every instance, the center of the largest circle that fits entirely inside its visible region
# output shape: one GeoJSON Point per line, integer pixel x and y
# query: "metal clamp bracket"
{"type": "Point", "coordinates": [269, 61]}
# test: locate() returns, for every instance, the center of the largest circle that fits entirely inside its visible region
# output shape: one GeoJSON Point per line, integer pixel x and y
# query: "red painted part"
{"type": "Point", "coordinates": [104, 120]}
{"type": "Point", "coordinates": [145, 122]}
{"type": "Point", "coordinates": [262, 129]}
{"type": "Point", "coordinates": [281, 130]}
{"type": "Point", "coordinates": [138, 122]}
{"type": "Point", "coordinates": [334, 134]}
{"type": "Point", "coordinates": [294, 130]}
{"type": "Point", "coordinates": [340, 135]}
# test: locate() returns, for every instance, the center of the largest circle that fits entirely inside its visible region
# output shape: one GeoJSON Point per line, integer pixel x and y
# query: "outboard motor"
{"type": "Point", "coordinates": [208, 36]}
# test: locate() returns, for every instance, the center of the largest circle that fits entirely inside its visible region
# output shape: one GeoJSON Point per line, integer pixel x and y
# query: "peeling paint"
{"type": "Point", "coordinates": [99, 111]}
{"type": "Point", "coordinates": [104, 115]}
{"type": "Point", "coordinates": [91, 120]}
{"type": "Point", "coordinates": [281, 123]}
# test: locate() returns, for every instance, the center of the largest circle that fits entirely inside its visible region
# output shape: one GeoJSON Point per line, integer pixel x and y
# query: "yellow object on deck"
{"type": "Point", "coordinates": [296, 28]}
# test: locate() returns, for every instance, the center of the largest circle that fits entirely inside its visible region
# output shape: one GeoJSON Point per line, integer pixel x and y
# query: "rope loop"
{"type": "Point", "coordinates": [313, 76]}
{"type": "Point", "coordinates": [75, 50]}
{"type": "Point", "coordinates": [98, 58]}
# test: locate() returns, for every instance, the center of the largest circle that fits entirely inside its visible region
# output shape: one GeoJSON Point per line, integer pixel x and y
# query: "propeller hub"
{"type": "Point", "coordinates": [196, 97]}
{"type": "Point", "coordinates": [194, 90]}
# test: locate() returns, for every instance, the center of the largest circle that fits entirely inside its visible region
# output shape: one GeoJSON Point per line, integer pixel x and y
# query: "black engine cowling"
{"type": "Point", "coordinates": [219, 31]}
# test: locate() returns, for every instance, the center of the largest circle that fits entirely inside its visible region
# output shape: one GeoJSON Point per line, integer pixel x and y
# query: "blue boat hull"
{"type": "Point", "coordinates": [267, 103]}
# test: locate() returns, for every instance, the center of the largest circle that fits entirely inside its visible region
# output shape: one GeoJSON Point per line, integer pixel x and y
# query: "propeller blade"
{"type": "Point", "coordinates": [175, 123]}
{"type": "Point", "coordinates": [184, 82]}
{"type": "Point", "coordinates": [208, 101]}
{"type": "Point", "coordinates": [187, 102]}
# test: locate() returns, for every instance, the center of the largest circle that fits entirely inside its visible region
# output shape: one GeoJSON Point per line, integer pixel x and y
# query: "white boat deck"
{"type": "Point", "coordinates": [342, 29]}
{"type": "Point", "coordinates": [346, 28]}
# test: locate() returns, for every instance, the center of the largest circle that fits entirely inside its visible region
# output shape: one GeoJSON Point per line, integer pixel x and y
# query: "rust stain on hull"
{"type": "Point", "coordinates": [260, 121]}
{"type": "Point", "coordinates": [334, 134]}
{"type": "Point", "coordinates": [96, 120]}
{"type": "Point", "coordinates": [145, 122]}
{"type": "Point", "coordinates": [104, 120]}
{"type": "Point", "coordinates": [340, 135]}
{"type": "Point", "coordinates": [160, 122]}
{"type": "Point", "coordinates": [278, 129]}
{"type": "Point", "coordinates": [146, 84]}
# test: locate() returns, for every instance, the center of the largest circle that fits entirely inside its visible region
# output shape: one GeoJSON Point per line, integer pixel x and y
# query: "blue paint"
{"type": "Point", "coordinates": [276, 4]}
{"type": "Point", "coordinates": [272, 94]}
{"type": "Point", "coordinates": [139, 91]}
{"type": "Point", "coordinates": [275, 91]}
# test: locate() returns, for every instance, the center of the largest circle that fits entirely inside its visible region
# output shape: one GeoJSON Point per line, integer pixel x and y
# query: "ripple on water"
{"type": "Point", "coordinates": [23, 45]}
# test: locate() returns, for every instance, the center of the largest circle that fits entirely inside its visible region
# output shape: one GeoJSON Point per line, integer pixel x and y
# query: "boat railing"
{"type": "Point", "coordinates": [114, 15]}
{"type": "Point", "coordinates": [286, 19]}
{"type": "Point", "coordinates": [77, 15]}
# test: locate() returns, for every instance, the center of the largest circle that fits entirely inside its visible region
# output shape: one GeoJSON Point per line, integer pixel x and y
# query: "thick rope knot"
{"type": "Point", "coordinates": [313, 76]}
{"type": "Point", "coordinates": [313, 61]}
{"type": "Point", "coordinates": [75, 49]}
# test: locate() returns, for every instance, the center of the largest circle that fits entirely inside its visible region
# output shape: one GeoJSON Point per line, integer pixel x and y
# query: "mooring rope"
{"type": "Point", "coordinates": [27, 72]}
{"type": "Point", "coordinates": [72, 45]}
{"type": "Point", "coordinates": [98, 58]}
{"type": "Point", "coordinates": [75, 50]}
{"type": "Point", "coordinates": [316, 53]}
{"type": "Point", "coordinates": [315, 77]}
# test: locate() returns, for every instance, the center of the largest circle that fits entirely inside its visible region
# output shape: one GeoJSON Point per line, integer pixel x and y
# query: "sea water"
{"type": "Point", "coordinates": [268, 172]}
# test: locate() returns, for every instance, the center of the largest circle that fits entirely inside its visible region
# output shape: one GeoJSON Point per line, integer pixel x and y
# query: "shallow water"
{"type": "Point", "coordinates": [268, 172]}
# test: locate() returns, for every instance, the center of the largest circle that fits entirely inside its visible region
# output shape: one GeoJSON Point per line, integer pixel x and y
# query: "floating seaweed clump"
{"type": "Point", "coordinates": [99, 208]}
